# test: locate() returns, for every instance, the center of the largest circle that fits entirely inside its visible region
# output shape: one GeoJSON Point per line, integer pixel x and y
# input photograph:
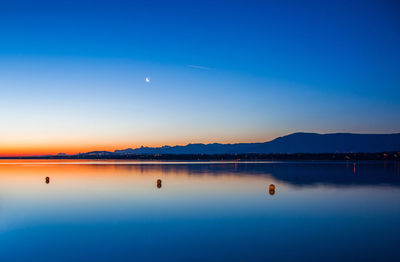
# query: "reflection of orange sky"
{"type": "Point", "coordinates": [88, 168]}
{"type": "Point", "coordinates": [71, 177]}
{"type": "Point", "coordinates": [108, 190]}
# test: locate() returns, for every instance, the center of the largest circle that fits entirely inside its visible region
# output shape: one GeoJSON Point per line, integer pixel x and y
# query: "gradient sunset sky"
{"type": "Point", "coordinates": [72, 73]}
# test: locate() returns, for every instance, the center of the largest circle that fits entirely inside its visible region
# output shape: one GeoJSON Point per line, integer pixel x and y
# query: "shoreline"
{"type": "Point", "coordinates": [230, 157]}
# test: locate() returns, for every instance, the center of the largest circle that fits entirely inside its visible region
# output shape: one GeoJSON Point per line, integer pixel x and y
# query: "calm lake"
{"type": "Point", "coordinates": [199, 211]}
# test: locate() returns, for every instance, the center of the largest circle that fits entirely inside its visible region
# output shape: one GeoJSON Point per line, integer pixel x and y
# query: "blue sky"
{"type": "Point", "coordinates": [221, 71]}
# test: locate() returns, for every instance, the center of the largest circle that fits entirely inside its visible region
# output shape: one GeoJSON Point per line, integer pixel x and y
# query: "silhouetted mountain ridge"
{"type": "Point", "coordinates": [293, 143]}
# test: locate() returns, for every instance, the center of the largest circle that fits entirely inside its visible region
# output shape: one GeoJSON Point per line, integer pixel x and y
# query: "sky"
{"type": "Point", "coordinates": [73, 73]}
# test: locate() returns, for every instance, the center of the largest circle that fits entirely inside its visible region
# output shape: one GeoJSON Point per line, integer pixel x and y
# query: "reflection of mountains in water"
{"type": "Point", "coordinates": [298, 173]}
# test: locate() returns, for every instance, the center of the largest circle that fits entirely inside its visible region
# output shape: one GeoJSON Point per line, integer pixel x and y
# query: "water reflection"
{"type": "Point", "coordinates": [295, 173]}
{"type": "Point", "coordinates": [109, 211]}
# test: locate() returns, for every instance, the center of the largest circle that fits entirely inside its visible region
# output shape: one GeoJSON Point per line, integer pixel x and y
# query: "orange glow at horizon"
{"type": "Point", "coordinates": [36, 149]}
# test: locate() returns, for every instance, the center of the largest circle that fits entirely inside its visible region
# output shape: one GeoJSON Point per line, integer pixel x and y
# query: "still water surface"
{"type": "Point", "coordinates": [192, 211]}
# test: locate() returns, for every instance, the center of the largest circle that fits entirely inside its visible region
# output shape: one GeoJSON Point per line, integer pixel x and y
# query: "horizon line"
{"type": "Point", "coordinates": [183, 145]}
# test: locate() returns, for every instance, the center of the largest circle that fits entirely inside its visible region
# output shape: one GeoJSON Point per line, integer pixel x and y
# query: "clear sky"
{"type": "Point", "coordinates": [72, 73]}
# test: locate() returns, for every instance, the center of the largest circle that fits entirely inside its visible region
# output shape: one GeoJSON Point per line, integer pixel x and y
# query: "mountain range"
{"type": "Point", "coordinates": [294, 143]}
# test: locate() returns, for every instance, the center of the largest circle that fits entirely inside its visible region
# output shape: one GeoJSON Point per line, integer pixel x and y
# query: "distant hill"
{"type": "Point", "coordinates": [293, 143]}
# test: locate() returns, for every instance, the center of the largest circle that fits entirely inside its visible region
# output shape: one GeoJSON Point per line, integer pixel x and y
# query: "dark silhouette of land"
{"type": "Point", "coordinates": [228, 157]}
{"type": "Point", "coordinates": [302, 146]}
{"type": "Point", "coordinates": [294, 143]}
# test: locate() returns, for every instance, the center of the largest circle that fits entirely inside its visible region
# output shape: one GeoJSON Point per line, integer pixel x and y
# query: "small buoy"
{"type": "Point", "coordinates": [158, 183]}
{"type": "Point", "coordinates": [47, 180]}
{"type": "Point", "coordinates": [271, 189]}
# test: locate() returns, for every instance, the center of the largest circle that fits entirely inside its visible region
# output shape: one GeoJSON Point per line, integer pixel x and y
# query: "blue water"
{"type": "Point", "coordinates": [116, 211]}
